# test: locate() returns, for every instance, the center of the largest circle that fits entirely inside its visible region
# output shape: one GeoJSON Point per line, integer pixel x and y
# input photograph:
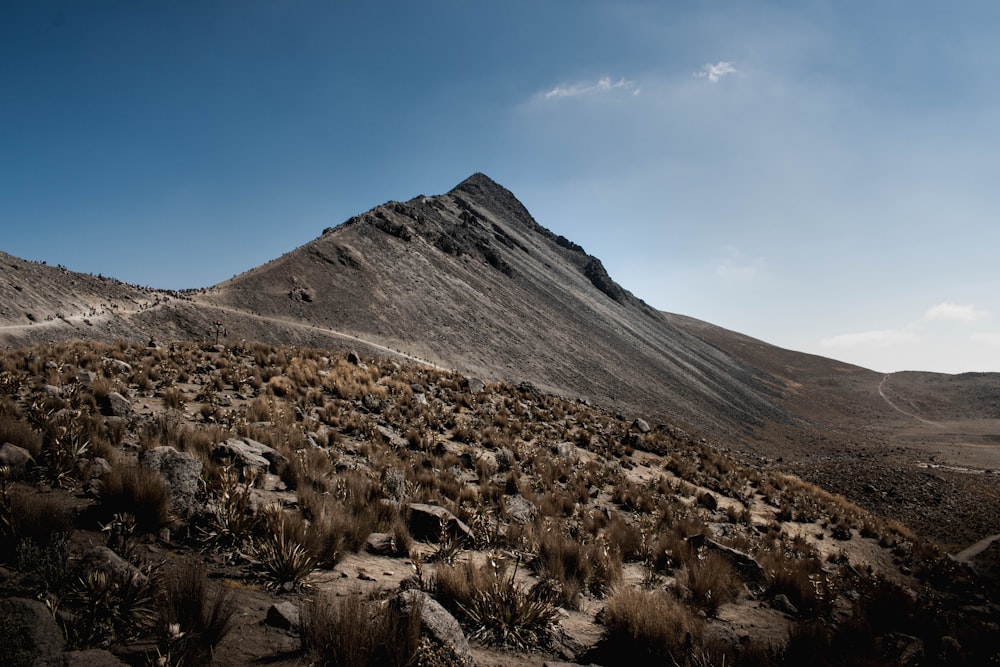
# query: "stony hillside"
{"type": "Point", "coordinates": [251, 504]}
{"type": "Point", "coordinates": [470, 281]}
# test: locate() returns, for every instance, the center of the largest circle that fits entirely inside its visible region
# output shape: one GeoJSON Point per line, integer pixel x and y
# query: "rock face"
{"type": "Point", "coordinates": [182, 473]}
{"type": "Point", "coordinates": [17, 459]}
{"type": "Point", "coordinates": [105, 560]}
{"type": "Point", "coordinates": [284, 615]}
{"type": "Point", "coordinates": [440, 625]}
{"type": "Point", "coordinates": [115, 405]}
{"type": "Point", "coordinates": [427, 521]}
{"type": "Point", "coordinates": [250, 453]}
{"type": "Point", "coordinates": [31, 633]}
{"type": "Point", "coordinates": [746, 564]}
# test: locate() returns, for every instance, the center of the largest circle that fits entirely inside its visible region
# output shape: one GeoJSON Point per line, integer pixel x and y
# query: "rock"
{"type": "Point", "coordinates": [439, 625]}
{"type": "Point", "coordinates": [566, 450]}
{"type": "Point", "coordinates": [250, 453]}
{"type": "Point", "coordinates": [353, 358]}
{"type": "Point", "coordinates": [118, 365]}
{"type": "Point", "coordinates": [51, 390]}
{"type": "Point", "coordinates": [31, 634]}
{"type": "Point", "coordinates": [746, 564]}
{"type": "Point", "coordinates": [17, 459]}
{"type": "Point", "coordinates": [115, 405]}
{"type": "Point", "coordinates": [380, 544]}
{"type": "Point", "coordinates": [103, 559]}
{"type": "Point", "coordinates": [784, 605]}
{"type": "Point", "coordinates": [520, 509]}
{"type": "Point", "coordinates": [284, 615]}
{"type": "Point", "coordinates": [92, 472]}
{"type": "Point", "coordinates": [94, 657]}
{"type": "Point", "coordinates": [85, 377]}
{"type": "Point", "coordinates": [474, 385]}
{"type": "Point", "coordinates": [708, 501]}
{"type": "Point", "coordinates": [391, 437]}
{"type": "Point", "coordinates": [641, 425]}
{"type": "Point", "coordinates": [182, 473]}
{"type": "Point", "coordinates": [420, 398]}
{"type": "Point", "coordinates": [427, 521]}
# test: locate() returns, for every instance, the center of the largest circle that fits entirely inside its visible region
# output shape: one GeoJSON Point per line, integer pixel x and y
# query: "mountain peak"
{"type": "Point", "coordinates": [478, 182]}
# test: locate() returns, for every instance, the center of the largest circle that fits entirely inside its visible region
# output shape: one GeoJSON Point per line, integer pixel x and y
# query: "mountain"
{"type": "Point", "coordinates": [470, 281]}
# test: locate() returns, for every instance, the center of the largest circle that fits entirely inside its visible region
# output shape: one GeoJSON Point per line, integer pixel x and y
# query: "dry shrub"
{"type": "Point", "coordinates": [799, 579]}
{"type": "Point", "coordinates": [19, 433]}
{"type": "Point", "coordinates": [352, 632]}
{"type": "Point", "coordinates": [626, 538]}
{"type": "Point", "coordinates": [201, 619]}
{"type": "Point", "coordinates": [711, 582]}
{"type": "Point", "coordinates": [130, 488]}
{"type": "Point", "coordinates": [34, 516]}
{"type": "Point", "coordinates": [651, 627]}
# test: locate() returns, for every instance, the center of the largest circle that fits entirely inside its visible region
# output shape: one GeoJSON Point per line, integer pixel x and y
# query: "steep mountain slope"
{"type": "Point", "coordinates": [469, 280]}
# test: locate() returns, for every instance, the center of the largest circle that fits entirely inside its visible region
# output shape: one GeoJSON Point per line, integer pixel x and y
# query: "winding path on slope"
{"type": "Point", "coordinates": [326, 331]}
{"type": "Point", "coordinates": [881, 392]}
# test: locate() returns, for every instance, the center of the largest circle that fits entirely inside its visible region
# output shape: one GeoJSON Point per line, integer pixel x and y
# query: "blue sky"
{"type": "Point", "coordinates": [820, 175]}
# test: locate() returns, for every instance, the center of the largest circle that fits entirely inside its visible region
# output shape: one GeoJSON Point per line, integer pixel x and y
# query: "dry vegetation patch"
{"type": "Point", "coordinates": [544, 506]}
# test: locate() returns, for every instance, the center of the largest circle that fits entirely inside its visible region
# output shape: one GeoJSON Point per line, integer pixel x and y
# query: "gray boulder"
{"type": "Point", "coordinates": [32, 635]}
{"type": "Point", "coordinates": [250, 453]}
{"type": "Point", "coordinates": [427, 521]}
{"type": "Point", "coordinates": [439, 625]}
{"type": "Point", "coordinates": [520, 509]}
{"type": "Point", "coordinates": [103, 559]}
{"type": "Point", "coordinates": [115, 405]}
{"type": "Point", "coordinates": [380, 544]}
{"type": "Point", "coordinates": [746, 564]}
{"type": "Point", "coordinates": [182, 473]}
{"type": "Point", "coordinates": [17, 459]}
{"type": "Point", "coordinates": [641, 425]}
{"type": "Point", "coordinates": [284, 615]}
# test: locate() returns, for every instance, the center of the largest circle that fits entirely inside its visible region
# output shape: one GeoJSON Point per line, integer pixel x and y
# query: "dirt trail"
{"type": "Point", "coordinates": [971, 551]}
{"type": "Point", "coordinates": [328, 332]}
{"type": "Point", "coordinates": [881, 392]}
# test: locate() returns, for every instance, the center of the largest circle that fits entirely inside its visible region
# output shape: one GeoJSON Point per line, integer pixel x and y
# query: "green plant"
{"type": "Point", "coordinates": [503, 613]}
{"type": "Point", "coordinates": [284, 558]}
{"type": "Point", "coordinates": [110, 608]}
{"type": "Point", "coordinates": [233, 522]}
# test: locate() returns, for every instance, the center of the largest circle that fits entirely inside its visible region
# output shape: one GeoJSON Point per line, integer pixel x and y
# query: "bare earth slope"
{"type": "Point", "coordinates": [921, 447]}
{"type": "Point", "coordinates": [470, 281]}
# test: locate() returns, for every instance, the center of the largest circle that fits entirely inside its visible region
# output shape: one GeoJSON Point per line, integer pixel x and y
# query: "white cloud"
{"type": "Point", "coordinates": [733, 270]}
{"type": "Point", "coordinates": [985, 337]}
{"type": "Point", "coordinates": [603, 85]}
{"type": "Point", "coordinates": [739, 267]}
{"type": "Point", "coordinates": [882, 338]}
{"type": "Point", "coordinates": [954, 312]}
{"type": "Point", "coordinates": [714, 73]}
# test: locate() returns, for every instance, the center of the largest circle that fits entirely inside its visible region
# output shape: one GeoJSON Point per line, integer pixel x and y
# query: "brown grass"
{"type": "Point", "coordinates": [651, 627]}
{"type": "Point", "coordinates": [131, 489]}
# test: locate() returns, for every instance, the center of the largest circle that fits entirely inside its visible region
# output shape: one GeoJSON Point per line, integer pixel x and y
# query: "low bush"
{"type": "Point", "coordinates": [353, 632]}
{"type": "Point", "coordinates": [651, 627]}
{"type": "Point", "coordinates": [131, 489]}
{"type": "Point", "coordinates": [194, 619]}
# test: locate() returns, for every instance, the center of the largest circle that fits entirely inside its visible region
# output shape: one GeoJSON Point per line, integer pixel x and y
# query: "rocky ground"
{"type": "Point", "coordinates": [294, 497]}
